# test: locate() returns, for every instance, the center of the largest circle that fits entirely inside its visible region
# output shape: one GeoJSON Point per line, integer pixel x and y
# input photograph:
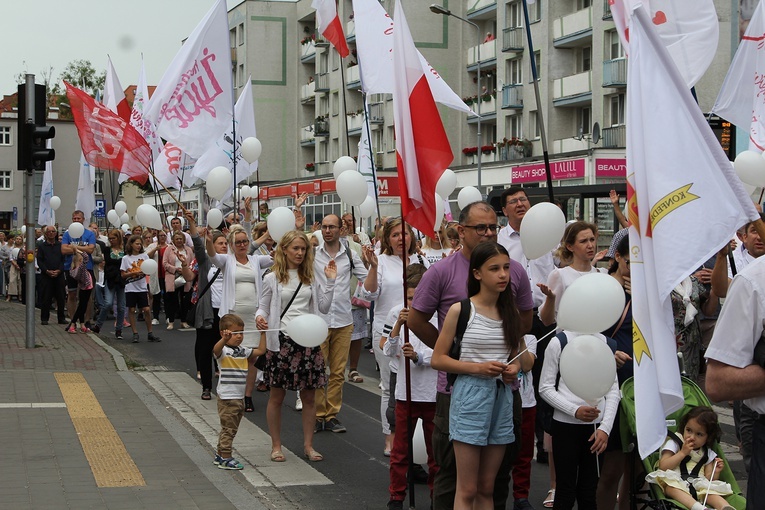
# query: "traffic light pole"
{"type": "Point", "coordinates": [29, 222]}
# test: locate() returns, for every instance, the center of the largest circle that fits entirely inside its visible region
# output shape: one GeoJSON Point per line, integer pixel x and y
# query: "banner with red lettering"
{"type": "Point", "coordinates": [173, 168]}
{"type": "Point", "coordinates": [108, 142]}
{"type": "Point", "coordinates": [193, 102]}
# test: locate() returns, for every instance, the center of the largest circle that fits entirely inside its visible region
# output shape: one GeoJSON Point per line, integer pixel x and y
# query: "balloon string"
{"type": "Point", "coordinates": [526, 349]}
{"type": "Point", "coordinates": [254, 331]}
{"type": "Point", "coordinates": [712, 477]}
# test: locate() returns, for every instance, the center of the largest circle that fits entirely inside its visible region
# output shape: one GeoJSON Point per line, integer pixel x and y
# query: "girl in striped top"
{"type": "Point", "coordinates": [481, 412]}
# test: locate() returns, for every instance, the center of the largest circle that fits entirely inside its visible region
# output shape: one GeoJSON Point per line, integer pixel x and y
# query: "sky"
{"type": "Point", "coordinates": [38, 34]}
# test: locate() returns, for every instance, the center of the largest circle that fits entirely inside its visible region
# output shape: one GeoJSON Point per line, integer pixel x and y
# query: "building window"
{"type": "Point", "coordinates": [584, 120]}
{"type": "Point", "coordinates": [617, 110]}
{"type": "Point", "coordinates": [5, 135]}
{"type": "Point", "coordinates": [5, 179]}
{"type": "Point", "coordinates": [335, 60]}
{"type": "Point", "coordinates": [514, 126]}
{"type": "Point", "coordinates": [240, 32]}
{"type": "Point", "coordinates": [584, 60]}
{"type": "Point", "coordinates": [538, 62]}
{"type": "Point", "coordinates": [336, 103]}
{"type": "Point", "coordinates": [535, 11]}
{"type": "Point", "coordinates": [323, 151]}
{"type": "Point", "coordinates": [323, 62]}
{"type": "Point", "coordinates": [334, 149]}
{"type": "Point", "coordinates": [98, 186]}
{"type": "Point", "coordinates": [390, 139]}
{"type": "Point", "coordinates": [514, 15]}
{"type": "Point", "coordinates": [534, 124]}
{"type": "Point", "coordinates": [515, 71]}
{"type": "Point", "coordinates": [240, 75]}
{"type": "Point", "coordinates": [614, 48]}
{"type": "Point", "coordinates": [583, 4]}
{"type": "Point", "coordinates": [232, 38]}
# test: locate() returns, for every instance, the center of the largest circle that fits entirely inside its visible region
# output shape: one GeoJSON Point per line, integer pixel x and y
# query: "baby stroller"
{"type": "Point", "coordinates": [645, 495]}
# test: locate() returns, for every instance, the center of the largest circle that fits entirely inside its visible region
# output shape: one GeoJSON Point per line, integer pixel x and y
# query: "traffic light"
{"type": "Point", "coordinates": [32, 151]}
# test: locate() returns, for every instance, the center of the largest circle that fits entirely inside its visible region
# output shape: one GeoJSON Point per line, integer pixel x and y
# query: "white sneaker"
{"type": "Point", "coordinates": [298, 403]}
{"type": "Point", "coordinates": [155, 322]}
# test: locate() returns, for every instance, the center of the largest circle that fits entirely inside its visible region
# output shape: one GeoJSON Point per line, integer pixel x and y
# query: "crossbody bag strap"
{"type": "Point", "coordinates": [621, 321]}
{"type": "Point", "coordinates": [300, 284]}
{"type": "Point", "coordinates": [209, 284]}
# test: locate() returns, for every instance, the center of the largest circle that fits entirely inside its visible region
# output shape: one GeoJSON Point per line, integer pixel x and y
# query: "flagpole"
{"type": "Point", "coordinates": [177, 200]}
{"type": "Point", "coordinates": [345, 107]}
{"type": "Point", "coordinates": [407, 374]}
{"type": "Point", "coordinates": [233, 157]}
{"type": "Point", "coordinates": [371, 153]}
{"type": "Point", "coordinates": [540, 114]}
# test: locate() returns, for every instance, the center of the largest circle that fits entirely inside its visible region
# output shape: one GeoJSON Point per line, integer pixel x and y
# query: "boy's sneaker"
{"type": "Point", "coordinates": [230, 463]}
{"type": "Point", "coordinates": [118, 334]}
{"type": "Point", "coordinates": [395, 505]}
{"type": "Point", "coordinates": [154, 338]}
{"type": "Point", "coordinates": [136, 338]}
{"type": "Point", "coordinates": [334, 425]}
{"type": "Point", "coordinates": [155, 322]}
{"type": "Point", "coordinates": [217, 460]}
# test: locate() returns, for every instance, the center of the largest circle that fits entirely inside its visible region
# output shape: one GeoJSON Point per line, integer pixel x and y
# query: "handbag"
{"type": "Point", "coordinates": [358, 298]}
{"type": "Point", "coordinates": [260, 363]}
{"type": "Point", "coordinates": [180, 281]}
{"type": "Point", "coordinates": [191, 315]}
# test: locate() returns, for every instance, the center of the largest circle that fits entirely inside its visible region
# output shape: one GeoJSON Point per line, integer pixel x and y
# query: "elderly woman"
{"type": "Point", "coordinates": [176, 255]}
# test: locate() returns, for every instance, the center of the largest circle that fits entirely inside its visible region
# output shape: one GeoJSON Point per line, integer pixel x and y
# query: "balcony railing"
{"type": "Point", "coordinates": [512, 39]}
{"type": "Point", "coordinates": [607, 11]}
{"type": "Point", "coordinates": [321, 128]}
{"type": "Point", "coordinates": [512, 96]}
{"type": "Point", "coordinates": [307, 136]}
{"type": "Point", "coordinates": [615, 73]}
{"type": "Point", "coordinates": [355, 121]}
{"type": "Point", "coordinates": [322, 82]}
{"type": "Point", "coordinates": [488, 108]}
{"type": "Point", "coordinates": [307, 92]}
{"type": "Point", "coordinates": [350, 30]}
{"type": "Point", "coordinates": [377, 113]}
{"type": "Point", "coordinates": [572, 86]}
{"type": "Point", "coordinates": [474, 6]}
{"type": "Point", "coordinates": [572, 27]}
{"type": "Point", "coordinates": [352, 77]}
{"type": "Point", "coordinates": [614, 137]}
{"type": "Point", "coordinates": [488, 52]}
{"type": "Point", "coordinates": [308, 51]}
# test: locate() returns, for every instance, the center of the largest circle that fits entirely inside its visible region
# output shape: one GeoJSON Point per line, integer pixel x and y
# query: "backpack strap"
{"type": "Point", "coordinates": [563, 339]}
{"type": "Point", "coordinates": [456, 349]}
{"type": "Point", "coordinates": [350, 257]}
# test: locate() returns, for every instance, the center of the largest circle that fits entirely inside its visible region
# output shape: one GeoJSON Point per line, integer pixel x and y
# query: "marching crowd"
{"type": "Point", "coordinates": [475, 334]}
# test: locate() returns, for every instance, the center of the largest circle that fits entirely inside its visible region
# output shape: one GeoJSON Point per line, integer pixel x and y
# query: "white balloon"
{"type": "Point", "coordinates": [467, 196]}
{"type": "Point", "coordinates": [55, 202]}
{"type": "Point", "coordinates": [148, 216]}
{"type": "Point", "coordinates": [214, 218]}
{"type": "Point", "coordinates": [24, 230]}
{"type": "Point", "coordinates": [446, 183]}
{"type": "Point", "coordinates": [120, 207]}
{"type": "Point", "coordinates": [245, 191]}
{"type": "Point", "coordinates": [149, 267]}
{"type": "Point", "coordinates": [588, 368]}
{"type": "Point", "coordinates": [750, 168]}
{"type": "Point", "coordinates": [251, 149]}
{"type": "Point", "coordinates": [352, 187]}
{"type": "Point", "coordinates": [343, 164]}
{"type": "Point", "coordinates": [279, 222]}
{"type": "Point", "coordinates": [418, 445]}
{"type": "Point", "coordinates": [308, 330]}
{"type": "Point", "coordinates": [75, 230]}
{"type": "Point", "coordinates": [125, 228]}
{"type": "Point", "coordinates": [218, 182]}
{"type": "Point", "coordinates": [439, 213]}
{"type": "Point", "coordinates": [368, 207]}
{"type": "Point", "coordinates": [142, 214]}
{"type": "Point", "coordinates": [125, 218]}
{"type": "Point", "coordinates": [254, 191]}
{"type": "Point", "coordinates": [593, 303]}
{"type": "Point", "coordinates": [541, 229]}
{"type": "Point", "coordinates": [113, 218]}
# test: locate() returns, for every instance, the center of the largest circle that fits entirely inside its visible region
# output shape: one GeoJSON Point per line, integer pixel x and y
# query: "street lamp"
{"type": "Point", "coordinates": [438, 9]}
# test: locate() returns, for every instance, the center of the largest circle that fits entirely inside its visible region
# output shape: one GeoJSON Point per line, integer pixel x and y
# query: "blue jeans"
{"type": "Point", "coordinates": [110, 295]}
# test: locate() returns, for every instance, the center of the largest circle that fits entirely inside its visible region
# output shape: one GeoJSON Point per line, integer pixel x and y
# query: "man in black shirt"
{"type": "Point", "coordinates": [51, 263]}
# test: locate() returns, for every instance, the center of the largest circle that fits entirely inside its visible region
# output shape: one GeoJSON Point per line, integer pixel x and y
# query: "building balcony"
{"type": "Point", "coordinates": [614, 137]}
{"type": "Point", "coordinates": [569, 145]}
{"type": "Point", "coordinates": [352, 78]}
{"type": "Point", "coordinates": [321, 84]}
{"type": "Point", "coordinates": [321, 127]}
{"type": "Point", "coordinates": [308, 92]}
{"type": "Point", "coordinates": [512, 96]}
{"type": "Point", "coordinates": [307, 138]}
{"type": "Point", "coordinates": [607, 11]}
{"type": "Point", "coordinates": [481, 9]}
{"type": "Point", "coordinates": [615, 72]}
{"type": "Point", "coordinates": [308, 52]}
{"type": "Point", "coordinates": [575, 90]}
{"type": "Point", "coordinates": [573, 30]}
{"type": "Point", "coordinates": [488, 53]}
{"type": "Point", "coordinates": [355, 123]}
{"type": "Point", "coordinates": [350, 31]}
{"type": "Point", "coordinates": [488, 110]}
{"type": "Point", "coordinates": [513, 39]}
{"type": "Point", "coordinates": [320, 41]}
{"type": "Point", "coordinates": [377, 113]}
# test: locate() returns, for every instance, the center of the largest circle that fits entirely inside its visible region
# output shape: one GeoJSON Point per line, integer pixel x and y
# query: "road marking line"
{"type": "Point", "coordinates": [109, 461]}
{"type": "Point", "coordinates": [33, 405]}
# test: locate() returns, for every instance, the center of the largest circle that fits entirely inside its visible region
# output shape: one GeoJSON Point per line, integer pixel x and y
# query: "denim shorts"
{"type": "Point", "coordinates": [481, 411]}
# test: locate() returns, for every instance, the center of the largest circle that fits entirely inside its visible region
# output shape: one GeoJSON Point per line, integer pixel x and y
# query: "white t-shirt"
{"type": "Point", "coordinates": [216, 289]}
{"type": "Point", "coordinates": [434, 255]}
{"type": "Point", "coordinates": [233, 372]}
{"type": "Point", "coordinates": [301, 304]}
{"type": "Point", "coordinates": [132, 264]}
{"type": "Point", "coordinates": [562, 278]}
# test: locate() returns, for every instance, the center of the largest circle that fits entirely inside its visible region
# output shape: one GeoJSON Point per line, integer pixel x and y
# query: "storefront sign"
{"type": "Point", "coordinates": [560, 170]}
{"type": "Point", "coordinates": [610, 167]}
{"type": "Point", "coordinates": [387, 187]}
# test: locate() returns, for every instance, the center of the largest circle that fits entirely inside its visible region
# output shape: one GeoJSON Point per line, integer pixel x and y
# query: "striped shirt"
{"type": "Point", "coordinates": [233, 372]}
{"type": "Point", "coordinates": [484, 340]}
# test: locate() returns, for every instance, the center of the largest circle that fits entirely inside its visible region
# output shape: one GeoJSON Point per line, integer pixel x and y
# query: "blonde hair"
{"type": "Point", "coordinates": [280, 268]}
{"type": "Point", "coordinates": [232, 232]}
{"type": "Point", "coordinates": [392, 224]}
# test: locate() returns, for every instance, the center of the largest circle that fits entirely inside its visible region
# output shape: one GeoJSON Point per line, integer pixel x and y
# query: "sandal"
{"type": "Point", "coordinates": [277, 456]}
{"type": "Point", "coordinates": [354, 377]}
{"type": "Point", "coordinates": [313, 456]}
{"type": "Point", "coordinates": [550, 501]}
{"type": "Point", "coordinates": [248, 405]}
{"type": "Point", "coordinates": [206, 394]}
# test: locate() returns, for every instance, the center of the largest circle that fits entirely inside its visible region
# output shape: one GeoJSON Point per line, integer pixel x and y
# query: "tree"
{"type": "Point", "coordinates": [82, 74]}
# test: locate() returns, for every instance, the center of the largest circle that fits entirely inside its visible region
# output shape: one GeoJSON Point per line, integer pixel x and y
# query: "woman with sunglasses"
{"type": "Point", "coordinates": [242, 288]}
{"type": "Point", "coordinates": [395, 250]}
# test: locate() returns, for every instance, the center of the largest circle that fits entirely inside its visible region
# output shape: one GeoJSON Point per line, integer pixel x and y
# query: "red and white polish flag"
{"type": "Point", "coordinates": [114, 94]}
{"type": "Point", "coordinates": [422, 147]}
{"type": "Point", "coordinates": [330, 25]}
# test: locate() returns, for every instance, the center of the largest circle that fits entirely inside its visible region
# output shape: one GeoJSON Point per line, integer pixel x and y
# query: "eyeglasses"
{"type": "Point", "coordinates": [514, 201]}
{"type": "Point", "coordinates": [482, 229]}
{"type": "Point", "coordinates": [242, 242]}
{"type": "Point", "coordinates": [329, 227]}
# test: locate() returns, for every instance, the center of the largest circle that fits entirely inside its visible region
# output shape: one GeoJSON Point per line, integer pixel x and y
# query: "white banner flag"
{"type": "Point", "coordinates": [141, 123]}
{"type": "Point", "coordinates": [374, 44]}
{"type": "Point", "coordinates": [193, 101]}
{"type": "Point", "coordinates": [365, 164]}
{"type": "Point", "coordinates": [171, 166]}
{"type": "Point", "coordinates": [684, 204]}
{"type": "Point", "coordinates": [86, 196]}
{"type": "Point", "coordinates": [225, 151]}
{"type": "Point", "coordinates": [46, 215]}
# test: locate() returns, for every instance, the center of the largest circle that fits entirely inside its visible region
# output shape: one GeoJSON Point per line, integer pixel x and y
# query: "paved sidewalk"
{"type": "Point", "coordinates": [79, 433]}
